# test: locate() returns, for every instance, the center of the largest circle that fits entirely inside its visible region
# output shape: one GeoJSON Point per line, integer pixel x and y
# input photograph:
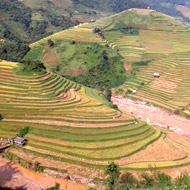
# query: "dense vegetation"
{"type": "Point", "coordinates": [23, 132]}
{"type": "Point", "coordinates": [153, 180]}
{"type": "Point", "coordinates": [165, 6]}
{"type": "Point", "coordinates": [100, 66]}
{"type": "Point", "coordinates": [21, 24]}
{"type": "Point", "coordinates": [108, 72]}
{"type": "Point", "coordinates": [29, 67]}
{"type": "Point", "coordinates": [18, 28]}
{"type": "Point", "coordinates": [13, 51]}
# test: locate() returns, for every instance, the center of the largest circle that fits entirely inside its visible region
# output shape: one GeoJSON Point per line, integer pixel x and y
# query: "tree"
{"type": "Point", "coordinates": [37, 166]}
{"type": "Point", "coordinates": [113, 171]}
{"type": "Point", "coordinates": [50, 43]}
{"type": "Point", "coordinates": [32, 66]}
{"type": "Point", "coordinates": [1, 117]}
{"type": "Point", "coordinates": [128, 179]}
{"type": "Point", "coordinates": [108, 94]}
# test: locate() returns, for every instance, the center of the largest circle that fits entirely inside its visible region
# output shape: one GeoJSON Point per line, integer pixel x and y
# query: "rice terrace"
{"type": "Point", "coordinates": [74, 129]}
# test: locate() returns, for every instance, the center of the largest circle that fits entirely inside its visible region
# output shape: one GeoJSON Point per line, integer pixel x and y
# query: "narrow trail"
{"type": "Point", "coordinates": [154, 115]}
{"type": "Point", "coordinates": [15, 176]}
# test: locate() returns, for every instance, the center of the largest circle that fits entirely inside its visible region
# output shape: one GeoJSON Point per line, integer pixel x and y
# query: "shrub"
{"type": "Point", "coordinates": [148, 180]}
{"type": "Point", "coordinates": [115, 106]}
{"type": "Point", "coordinates": [163, 179]}
{"type": "Point", "coordinates": [56, 187]}
{"type": "Point", "coordinates": [128, 179]}
{"type": "Point", "coordinates": [183, 181]}
{"type": "Point", "coordinates": [23, 132]}
{"type": "Point", "coordinates": [37, 166]}
{"type": "Point", "coordinates": [176, 111]}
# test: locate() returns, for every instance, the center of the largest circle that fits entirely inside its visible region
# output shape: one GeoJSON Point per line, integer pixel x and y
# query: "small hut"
{"type": "Point", "coordinates": [157, 75]}
{"type": "Point", "coordinates": [134, 91]}
{"type": "Point", "coordinates": [20, 141]}
{"type": "Point", "coordinates": [92, 20]}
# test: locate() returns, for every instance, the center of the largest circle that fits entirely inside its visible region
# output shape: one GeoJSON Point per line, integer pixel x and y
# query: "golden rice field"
{"type": "Point", "coordinates": [72, 126]}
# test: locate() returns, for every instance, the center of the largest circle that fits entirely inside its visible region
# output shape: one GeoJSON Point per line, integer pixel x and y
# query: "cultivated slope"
{"type": "Point", "coordinates": [69, 126]}
{"type": "Point", "coordinates": [148, 41]}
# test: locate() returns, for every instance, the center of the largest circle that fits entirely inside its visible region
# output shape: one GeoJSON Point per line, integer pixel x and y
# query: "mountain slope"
{"type": "Point", "coordinates": [146, 41]}
{"type": "Point", "coordinates": [71, 130]}
{"type": "Point", "coordinates": [23, 22]}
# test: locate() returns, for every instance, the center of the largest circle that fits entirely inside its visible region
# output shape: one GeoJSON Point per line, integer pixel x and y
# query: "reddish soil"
{"type": "Point", "coordinates": [184, 10]}
{"type": "Point", "coordinates": [80, 72]}
{"type": "Point", "coordinates": [51, 58]}
{"type": "Point", "coordinates": [127, 66]}
{"type": "Point", "coordinates": [48, 57]}
{"type": "Point", "coordinates": [144, 26]}
{"type": "Point", "coordinates": [56, 60]}
{"type": "Point", "coordinates": [62, 4]}
{"type": "Point", "coordinates": [154, 115]}
{"type": "Point", "coordinates": [47, 46]}
{"type": "Point", "coordinates": [29, 5]}
{"type": "Point", "coordinates": [17, 177]}
{"type": "Point", "coordinates": [70, 72]}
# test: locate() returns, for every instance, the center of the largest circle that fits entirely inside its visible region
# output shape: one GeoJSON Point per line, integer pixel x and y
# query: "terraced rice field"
{"type": "Point", "coordinates": [69, 126]}
{"type": "Point", "coordinates": [171, 90]}
{"type": "Point", "coordinates": [77, 33]}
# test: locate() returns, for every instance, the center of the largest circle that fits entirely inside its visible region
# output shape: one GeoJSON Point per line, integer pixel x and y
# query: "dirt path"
{"type": "Point", "coordinates": [17, 177]}
{"type": "Point", "coordinates": [154, 115]}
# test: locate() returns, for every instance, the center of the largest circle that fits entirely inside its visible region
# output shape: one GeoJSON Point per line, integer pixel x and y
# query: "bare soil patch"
{"type": "Point", "coordinates": [72, 169]}
{"type": "Point", "coordinates": [154, 115]}
{"type": "Point", "coordinates": [80, 72]}
{"type": "Point", "coordinates": [14, 178]}
{"type": "Point", "coordinates": [184, 10]}
{"type": "Point", "coordinates": [70, 72]}
{"type": "Point", "coordinates": [51, 58]}
{"type": "Point", "coordinates": [127, 66]}
{"type": "Point", "coordinates": [18, 177]}
{"type": "Point", "coordinates": [48, 57]}
{"type": "Point", "coordinates": [62, 4]}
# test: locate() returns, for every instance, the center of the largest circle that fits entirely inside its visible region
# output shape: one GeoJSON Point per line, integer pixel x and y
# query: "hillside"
{"type": "Point", "coordinates": [25, 21]}
{"type": "Point", "coordinates": [70, 128]}
{"type": "Point", "coordinates": [146, 41]}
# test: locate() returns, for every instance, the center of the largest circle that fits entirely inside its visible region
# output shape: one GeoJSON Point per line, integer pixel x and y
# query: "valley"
{"type": "Point", "coordinates": [154, 115]}
{"type": "Point", "coordinates": [115, 89]}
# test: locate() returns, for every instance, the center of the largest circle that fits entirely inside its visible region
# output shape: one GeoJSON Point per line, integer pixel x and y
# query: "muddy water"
{"type": "Point", "coordinates": [14, 176]}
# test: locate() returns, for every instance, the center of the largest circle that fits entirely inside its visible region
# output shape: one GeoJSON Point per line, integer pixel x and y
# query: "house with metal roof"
{"type": "Point", "coordinates": [20, 141]}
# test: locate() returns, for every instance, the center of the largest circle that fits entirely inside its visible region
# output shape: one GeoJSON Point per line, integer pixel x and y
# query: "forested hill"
{"type": "Point", "coordinates": [23, 22]}
{"type": "Point", "coordinates": [164, 6]}
{"type": "Point", "coordinates": [19, 27]}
